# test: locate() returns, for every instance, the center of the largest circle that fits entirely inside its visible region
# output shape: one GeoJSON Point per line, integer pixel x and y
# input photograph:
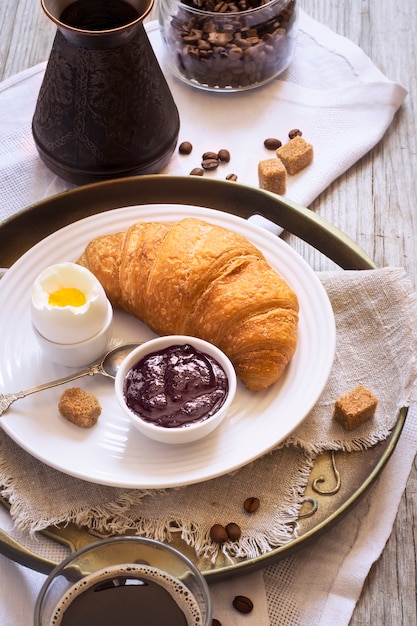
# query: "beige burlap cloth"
{"type": "Point", "coordinates": [376, 320]}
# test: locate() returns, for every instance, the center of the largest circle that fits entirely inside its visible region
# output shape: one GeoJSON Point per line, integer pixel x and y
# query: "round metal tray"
{"type": "Point", "coordinates": [338, 480]}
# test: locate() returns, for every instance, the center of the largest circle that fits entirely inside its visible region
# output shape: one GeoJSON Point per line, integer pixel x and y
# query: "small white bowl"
{"type": "Point", "coordinates": [78, 354]}
{"type": "Point", "coordinates": [177, 434]}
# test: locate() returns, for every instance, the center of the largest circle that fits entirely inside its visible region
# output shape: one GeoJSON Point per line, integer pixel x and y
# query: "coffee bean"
{"type": "Point", "coordinates": [215, 622]}
{"type": "Point", "coordinates": [210, 164]}
{"type": "Point", "coordinates": [231, 56]}
{"type": "Point", "coordinates": [197, 171]}
{"type": "Point", "coordinates": [210, 155]}
{"type": "Point", "coordinates": [224, 156]}
{"type": "Point", "coordinates": [295, 132]}
{"type": "Point", "coordinates": [185, 147]}
{"type": "Point", "coordinates": [243, 604]}
{"type": "Point", "coordinates": [231, 177]}
{"type": "Point", "coordinates": [272, 143]}
{"type": "Point", "coordinates": [251, 504]}
{"type": "Point", "coordinates": [218, 533]}
{"type": "Point", "coordinates": [233, 531]}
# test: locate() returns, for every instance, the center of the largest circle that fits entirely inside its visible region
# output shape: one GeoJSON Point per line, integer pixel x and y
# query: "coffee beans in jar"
{"type": "Point", "coordinates": [228, 45]}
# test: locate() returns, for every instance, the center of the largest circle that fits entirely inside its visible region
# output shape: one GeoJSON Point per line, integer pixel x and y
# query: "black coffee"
{"type": "Point", "coordinates": [129, 596]}
{"type": "Point", "coordinates": [98, 14]}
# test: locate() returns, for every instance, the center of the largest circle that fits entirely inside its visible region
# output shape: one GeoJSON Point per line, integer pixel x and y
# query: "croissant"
{"type": "Point", "coordinates": [194, 278]}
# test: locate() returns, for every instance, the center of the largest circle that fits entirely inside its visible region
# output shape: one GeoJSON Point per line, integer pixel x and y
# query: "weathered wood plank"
{"type": "Point", "coordinates": [374, 203]}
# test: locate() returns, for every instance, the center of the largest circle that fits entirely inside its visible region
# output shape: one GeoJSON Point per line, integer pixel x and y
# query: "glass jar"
{"type": "Point", "coordinates": [224, 45]}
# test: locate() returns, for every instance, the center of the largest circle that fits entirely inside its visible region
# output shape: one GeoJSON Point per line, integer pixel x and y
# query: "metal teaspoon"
{"type": "Point", "coordinates": [108, 366]}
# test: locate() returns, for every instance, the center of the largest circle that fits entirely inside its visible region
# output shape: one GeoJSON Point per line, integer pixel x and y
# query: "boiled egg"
{"type": "Point", "coordinates": [69, 304]}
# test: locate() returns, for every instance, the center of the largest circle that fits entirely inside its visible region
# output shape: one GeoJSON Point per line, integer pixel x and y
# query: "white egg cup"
{"type": "Point", "coordinates": [182, 434]}
{"type": "Point", "coordinates": [78, 354]}
{"type": "Point", "coordinates": [69, 323]}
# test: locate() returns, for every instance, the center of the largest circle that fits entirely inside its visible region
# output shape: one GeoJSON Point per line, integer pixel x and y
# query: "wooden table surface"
{"type": "Point", "coordinates": [375, 203]}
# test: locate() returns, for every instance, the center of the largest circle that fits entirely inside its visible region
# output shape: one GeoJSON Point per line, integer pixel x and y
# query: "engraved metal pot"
{"type": "Point", "coordinates": [104, 109]}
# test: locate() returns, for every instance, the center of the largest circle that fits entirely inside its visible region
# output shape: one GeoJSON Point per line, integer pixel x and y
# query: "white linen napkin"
{"type": "Point", "coordinates": [331, 90]}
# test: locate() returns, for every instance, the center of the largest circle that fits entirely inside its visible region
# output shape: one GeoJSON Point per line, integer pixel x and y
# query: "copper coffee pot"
{"type": "Point", "coordinates": [104, 109]}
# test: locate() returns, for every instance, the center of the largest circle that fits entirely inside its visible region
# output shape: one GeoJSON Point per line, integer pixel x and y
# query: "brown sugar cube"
{"type": "Point", "coordinates": [272, 176]}
{"type": "Point", "coordinates": [296, 155]}
{"type": "Point", "coordinates": [355, 407]}
{"type": "Point", "coordinates": [79, 407]}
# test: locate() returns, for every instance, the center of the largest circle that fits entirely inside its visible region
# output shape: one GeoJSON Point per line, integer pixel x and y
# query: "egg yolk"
{"type": "Point", "coordinates": [67, 296]}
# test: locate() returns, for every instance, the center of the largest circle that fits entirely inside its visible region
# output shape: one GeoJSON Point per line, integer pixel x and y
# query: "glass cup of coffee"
{"type": "Point", "coordinates": [124, 580]}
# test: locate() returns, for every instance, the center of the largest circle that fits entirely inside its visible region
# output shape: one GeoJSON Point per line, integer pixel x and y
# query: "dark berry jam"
{"type": "Point", "coordinates": [176, 387]}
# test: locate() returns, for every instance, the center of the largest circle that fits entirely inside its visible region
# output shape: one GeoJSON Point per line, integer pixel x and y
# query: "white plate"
{"type": "Point", "coordinates": [114, 452]}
